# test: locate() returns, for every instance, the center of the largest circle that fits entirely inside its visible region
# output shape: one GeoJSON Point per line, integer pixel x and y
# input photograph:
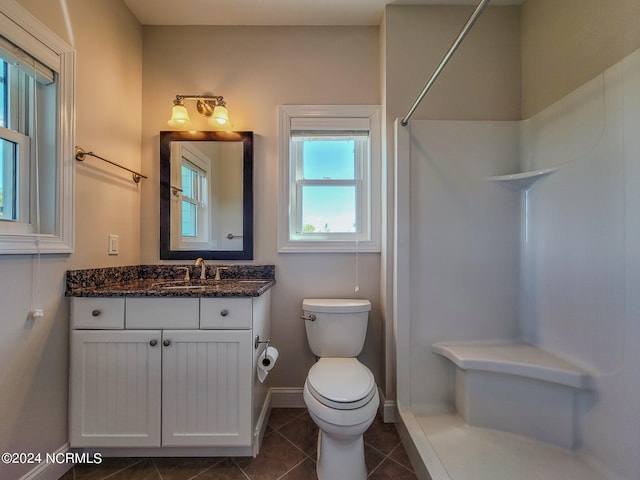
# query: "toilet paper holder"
{"type": "Point", "coordinates": [258, 342]}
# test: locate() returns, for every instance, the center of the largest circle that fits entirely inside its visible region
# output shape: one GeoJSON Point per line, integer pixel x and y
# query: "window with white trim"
{"type": "Point", "coordinates": [330, 179]}
{"type": "Point", "coordinates": [36, 135]}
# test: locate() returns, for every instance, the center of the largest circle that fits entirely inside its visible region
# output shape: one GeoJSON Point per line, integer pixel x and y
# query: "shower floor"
{"type": "Point", "coordinates": [457, 451]}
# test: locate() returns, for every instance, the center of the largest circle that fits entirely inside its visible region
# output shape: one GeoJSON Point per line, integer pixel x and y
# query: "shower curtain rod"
{"type": "Point", "coordinates": [445, 59]}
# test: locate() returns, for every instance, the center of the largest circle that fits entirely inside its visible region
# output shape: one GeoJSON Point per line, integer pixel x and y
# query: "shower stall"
{"type": "Point", "coordinates": [516, 280]}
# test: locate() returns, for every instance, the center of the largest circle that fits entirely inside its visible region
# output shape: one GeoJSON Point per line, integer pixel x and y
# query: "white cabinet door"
{"type": "Point", "coordinates": [206, 388]}
{"type": "Point", "coordinates": [115, 388]}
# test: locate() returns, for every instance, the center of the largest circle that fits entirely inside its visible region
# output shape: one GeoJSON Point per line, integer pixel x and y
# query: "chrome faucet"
{"type": "Point", "coordinates": [203, 269]}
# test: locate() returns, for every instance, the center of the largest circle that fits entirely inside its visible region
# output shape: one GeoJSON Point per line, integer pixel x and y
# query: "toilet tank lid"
{"type": "Point", "coordinates": [335, 305]}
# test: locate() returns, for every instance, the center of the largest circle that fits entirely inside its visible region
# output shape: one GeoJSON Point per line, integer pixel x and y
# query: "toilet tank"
{"type": "Point", "coordinates": [339, 328]}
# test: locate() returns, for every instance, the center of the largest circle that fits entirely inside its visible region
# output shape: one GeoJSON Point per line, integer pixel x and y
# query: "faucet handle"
{"type": "Point", "coordinates": [217, 277]}
{"type": "Point", "coordinates": [187, 277]}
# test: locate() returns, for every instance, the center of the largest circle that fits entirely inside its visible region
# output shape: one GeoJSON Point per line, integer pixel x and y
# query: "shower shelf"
{"type": "Point", "coordinates": [522, 181]}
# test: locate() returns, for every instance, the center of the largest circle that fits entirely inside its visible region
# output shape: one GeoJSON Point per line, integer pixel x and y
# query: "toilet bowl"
{"type": "Point", "coordinates": [342, 399]}
{"type": "Point", "coordinates": [340, 392]}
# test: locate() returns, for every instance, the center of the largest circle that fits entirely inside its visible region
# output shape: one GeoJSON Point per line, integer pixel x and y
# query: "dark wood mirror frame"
{"type": "Point", "coordinates": [165, 195]}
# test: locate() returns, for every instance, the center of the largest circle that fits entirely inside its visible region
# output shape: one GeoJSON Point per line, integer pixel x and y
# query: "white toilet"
{"type": "Point", "coordinates": [340, 392]}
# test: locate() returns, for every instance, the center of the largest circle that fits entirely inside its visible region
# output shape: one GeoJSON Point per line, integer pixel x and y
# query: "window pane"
{"type": "Point", "coordinates": [189, 220]}
{"type": "Point", "coordinates": [333, 159]}
{"type": "Point", "coordinates": [187, 182]}
{"type": "Point", "coordinates": [328, 209]}
{"type": "Point", "coordinates": [8, 180]}
{"type": "Point", "coordinates": [4, 95]}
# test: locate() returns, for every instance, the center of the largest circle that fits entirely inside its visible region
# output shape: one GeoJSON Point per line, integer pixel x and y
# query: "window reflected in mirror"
{"type": "Point", "coordinates": [206, 207]}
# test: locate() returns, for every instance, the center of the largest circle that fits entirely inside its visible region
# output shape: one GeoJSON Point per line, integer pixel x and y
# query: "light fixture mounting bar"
{"type": "Point", "coordinates": [217, 99]}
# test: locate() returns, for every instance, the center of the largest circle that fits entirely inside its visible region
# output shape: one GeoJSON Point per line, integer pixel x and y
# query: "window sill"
{"type": "Point", "coordinates": [328, 247]}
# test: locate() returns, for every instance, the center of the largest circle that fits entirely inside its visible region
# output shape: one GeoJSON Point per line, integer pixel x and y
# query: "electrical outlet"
{"type": "Point", "coordinates": [114, 244]}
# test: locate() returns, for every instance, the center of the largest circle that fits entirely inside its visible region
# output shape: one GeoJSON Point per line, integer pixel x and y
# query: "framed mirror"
{"type": "Point", "coordinates": [206, 195]}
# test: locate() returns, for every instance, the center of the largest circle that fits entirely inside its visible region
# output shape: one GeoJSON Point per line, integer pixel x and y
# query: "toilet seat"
{"type": "Point", "coordinates": [341, 383]}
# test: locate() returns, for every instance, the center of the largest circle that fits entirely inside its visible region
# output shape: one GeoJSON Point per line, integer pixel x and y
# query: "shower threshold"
{"type": "Point", "coordinates": [453, 450]}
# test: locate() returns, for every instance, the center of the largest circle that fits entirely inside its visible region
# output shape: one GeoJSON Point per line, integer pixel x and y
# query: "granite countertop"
{"type": "Point", "coordinates": [168, 281]}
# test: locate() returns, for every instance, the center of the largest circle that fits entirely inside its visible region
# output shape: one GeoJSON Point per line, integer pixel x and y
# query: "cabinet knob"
{"type": "Point", "coordinates": [153, 342]}
{"type": "Point", "coordinates": [166, 343]}
{"type": "Point", "coordinates": [96, 312]}
{"type": "Point", "coordinates": [224, 313]}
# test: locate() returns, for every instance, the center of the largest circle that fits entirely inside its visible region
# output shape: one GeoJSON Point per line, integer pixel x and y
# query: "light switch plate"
{"type": "Point", "coordinates": [114, 244]}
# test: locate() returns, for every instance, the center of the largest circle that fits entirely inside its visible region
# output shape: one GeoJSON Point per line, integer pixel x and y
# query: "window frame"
{"type": "Point", "coordinates": [22, 182]}
{"type": "Point", "coordinates": [20, 106]}
{"type": "Point", "coordinates": [195, 161]}
{"type": "Point", "coordinates": [193, 200]}
{"type": "Point", "coordinates": [32, 36]}
{"type": "Point", "coordinates": [337, 118]}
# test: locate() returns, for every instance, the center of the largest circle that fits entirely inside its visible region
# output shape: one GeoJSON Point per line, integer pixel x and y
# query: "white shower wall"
{"type": "Point", "coordinates": [464, 254]}
{"type": "Point", "coordinates": [582, 256]}
{"type": "Point", "coordinates": [561, 269]}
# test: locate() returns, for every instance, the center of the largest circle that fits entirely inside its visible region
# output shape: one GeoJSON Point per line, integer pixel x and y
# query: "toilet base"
{"type": "Point", "coordinates": [340, 458]}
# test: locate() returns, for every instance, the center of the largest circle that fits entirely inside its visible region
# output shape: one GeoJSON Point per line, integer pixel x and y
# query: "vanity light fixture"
{"type": "Point", "coordinates": [208, 105]}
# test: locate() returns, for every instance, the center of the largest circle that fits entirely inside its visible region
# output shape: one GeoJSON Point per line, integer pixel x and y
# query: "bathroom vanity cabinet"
{"type": "Point", "coordinates": [167, 372]}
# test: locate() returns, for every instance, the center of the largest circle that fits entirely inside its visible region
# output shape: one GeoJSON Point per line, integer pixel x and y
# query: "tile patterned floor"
{"type": "Point", "coordinates": [288, 453]}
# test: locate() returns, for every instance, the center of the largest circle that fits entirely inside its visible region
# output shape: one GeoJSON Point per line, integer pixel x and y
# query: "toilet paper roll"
{"type": "Point", "coordinates": [266, 362]}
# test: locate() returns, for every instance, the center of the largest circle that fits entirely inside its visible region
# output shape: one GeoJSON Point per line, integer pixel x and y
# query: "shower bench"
{"type": "Point", "coordinates": [518, 388]}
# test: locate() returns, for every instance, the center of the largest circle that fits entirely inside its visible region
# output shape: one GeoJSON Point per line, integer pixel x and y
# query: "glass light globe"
{"type": "Point", "coordinates": [179, 117]}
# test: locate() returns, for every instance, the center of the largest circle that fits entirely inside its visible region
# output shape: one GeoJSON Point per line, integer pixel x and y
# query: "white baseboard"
{"type": "Point", "coordinates": [50, 470]}
{"type": "Point", "coordinates": [287, 398]}
{"type": "Point", "coordinates": [387, 408]}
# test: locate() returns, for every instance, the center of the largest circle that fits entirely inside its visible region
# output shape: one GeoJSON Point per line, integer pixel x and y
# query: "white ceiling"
{"type": "Point", "coordinates": [275, 12]}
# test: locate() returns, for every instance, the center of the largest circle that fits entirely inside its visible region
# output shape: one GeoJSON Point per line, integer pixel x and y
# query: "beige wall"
{"type": "Point", "coordinates": [482, 80]}
{"type": "Point", "coordinates": [109, 121]}
{"type": "Point", "coordinates": [34, 355]}
{"type": "Point", "coordinates": [256, 69]}
{"type": "Point", "coordinates": [567, 43]}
